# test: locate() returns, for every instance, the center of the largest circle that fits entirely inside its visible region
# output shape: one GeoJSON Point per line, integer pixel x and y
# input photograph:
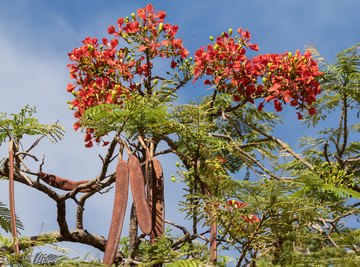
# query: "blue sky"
{"type": "Point", "coordinates": [36, 35]}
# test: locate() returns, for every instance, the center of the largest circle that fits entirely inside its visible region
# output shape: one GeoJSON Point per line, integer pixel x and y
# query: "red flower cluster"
{"type": "Point", "coordinates": [104, 73]}
{"type": "Point", "coordinates": [150, 34]}
{"type": "Point", "coordinates": [227, 65]}
{"type": "Point", "coordinates": [251, 218]}
{"type": "Point", "coordinates": [286, 78]}
{"type": "Point", "coordinates": [290, 79]}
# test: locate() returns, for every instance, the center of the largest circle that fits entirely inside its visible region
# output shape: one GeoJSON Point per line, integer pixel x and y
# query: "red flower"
{"type": "Point", "coordinates": [89, 144]}
{"type": "Point", "coordinates": [70, 87]}
{"type": "Point", "coordinates": [173, 64]}
{"type": "Point", "coordinates": [184, 53]}
{"type": "Point", "coordinates": [236, 204]}
{"type": "Point", "coordinates": [277, 105]}
{"type": "Point", "coordinates": [105, 143]}
{"type": "Point", "coordinates": [161, 15]}
{"type": "Point", "coordinates": [132, 27]}
{"type": "Point", "coordinates": [260, 107]}
{"type": "Point", "coordinates": [111, 30]}
{"type": "Point", "coordinates": [207, 81]}
{"type": "Point", "coordinates": [114, 43]}
{"type": "Point", "coordinates": [300, 117]}
{"type": "Point", "coordinates": [312, 111]}
{"type": "Point", "coordinates": [171, 29]}
{"type": "Point", "coordinates": [251, 218]}
{"type": "Point", "coordinates": [254, 47]}
{"type": "Point", "coordinates": [77, 125]}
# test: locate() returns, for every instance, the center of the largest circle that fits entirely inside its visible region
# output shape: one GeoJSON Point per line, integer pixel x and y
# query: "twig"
{"type": "Point", "coordinates": [182, 228]}
{"type": "Point", "coordinates": [165, 151]}
{"type": "Point", "coordinates": [107, 159]}
{"type": "Point", "coordinates": [283, 145]}
{"type": "Point", "coordinates": [27, 179]}
{"type": "Point", "coordinates": [326, 145]}
{"type": "Point", "coordinates": [26, 154]}
{"type": "Point", "coordinates": [21, 158]}
{"type": "Point", "coordinates": [254, 160]}
{"type": "Point", "coordinates": [229, 109]}
{"type": "Point", "coordinates": [35, 143]}
{"type": "Point", "coordinates": [130, 262]}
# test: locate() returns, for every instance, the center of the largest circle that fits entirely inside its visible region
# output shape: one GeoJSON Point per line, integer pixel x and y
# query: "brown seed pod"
{"type": "Point", "coordinates": [12, 197]}
{"type": "Point", "coordinates": [213, 242]}
{"type": "Point", "coordinates": [119, 210]}
{"type": "Point", "coordinates": [158, 213]}
{"type": "Point", "coordinates": [64, 184]}
{"type": "Point", "coordinates": [139, 197]}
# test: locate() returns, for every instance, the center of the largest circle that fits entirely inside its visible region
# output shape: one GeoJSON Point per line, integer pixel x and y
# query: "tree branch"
{"type": "Point", "coordinates": [77, 236]}
{"type": "Point", "coordinates": [283, 145]}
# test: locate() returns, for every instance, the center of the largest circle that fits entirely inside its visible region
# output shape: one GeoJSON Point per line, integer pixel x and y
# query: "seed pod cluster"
{"type": "Point", "coordinates": [119, 210]}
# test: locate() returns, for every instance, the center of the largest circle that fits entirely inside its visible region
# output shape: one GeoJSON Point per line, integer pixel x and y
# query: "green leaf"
{"type": "Point", "coordinates": [186, 263]}
{"type": "Point", "coordinates": [21, 124]}
{"type": "Point", "coordinates": [5, 220]}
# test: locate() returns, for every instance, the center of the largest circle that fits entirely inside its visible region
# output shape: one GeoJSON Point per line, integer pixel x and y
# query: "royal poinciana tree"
{"type": "Point", "coordinates": [246, 191]}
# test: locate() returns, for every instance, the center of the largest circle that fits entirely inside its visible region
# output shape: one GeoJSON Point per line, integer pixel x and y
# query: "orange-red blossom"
{"type": "Point", "coordinates": [103, 72]}
{"type": "Point", "coordinates": [278, 78]}
{"type": "Point", "coordinates": [249, 218]}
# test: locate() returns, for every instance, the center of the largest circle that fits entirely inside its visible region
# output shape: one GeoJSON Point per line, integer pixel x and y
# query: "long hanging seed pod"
{"type": "Point", "coordinates": [12, 197]}
{"type": "Point", "coordinates": [119, 210]}
{"type": "Point", "coordinates": [213, 241]}
{"type": "Point", "coordinates": [64, 184]}
{"type": "Point", "coordinates": [139, 196]}
{"type": "Point", "coordinates": [158, 204]}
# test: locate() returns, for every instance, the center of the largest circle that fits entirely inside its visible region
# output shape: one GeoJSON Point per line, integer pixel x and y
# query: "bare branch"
{"type": "Point", "coordinates": [78, 236]}
{"type": "Point", "coordinates": [35, 144]}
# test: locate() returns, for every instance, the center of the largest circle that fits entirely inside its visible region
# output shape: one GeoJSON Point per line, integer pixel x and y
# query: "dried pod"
{"type": "Point", "coordinates": [139, 196]}
{"type": "Point", "coordinates": [64, 184]}
{"type": "Point", "coordinates": [119, 210]}
{"type": "Point", "coordinates": [12, 197]}
{"type": "Point", "coordinates": [213, 242]}
{"type": "Point", "coordinates": [158, 204]}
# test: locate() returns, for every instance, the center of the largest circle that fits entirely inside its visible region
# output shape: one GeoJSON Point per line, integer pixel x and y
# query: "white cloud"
{"type": "Point", "coordinates": [32, 73]}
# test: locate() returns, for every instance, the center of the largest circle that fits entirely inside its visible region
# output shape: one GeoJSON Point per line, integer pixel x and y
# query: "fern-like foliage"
{"type": "Point", "coordinates": [47, 259]}
{"type": "Point", "coordinates": [146, 116]}
{"type": "Point", "coordinates": [5, 222]}
{"type": "Point", "coordinates": [340, 80]}
{"type": "Point", "coordinates": [186, 263]}
{"type": "Point", "coordinates": [40, 259]}
{"type": "Point", "coordinates": [18, 125]}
